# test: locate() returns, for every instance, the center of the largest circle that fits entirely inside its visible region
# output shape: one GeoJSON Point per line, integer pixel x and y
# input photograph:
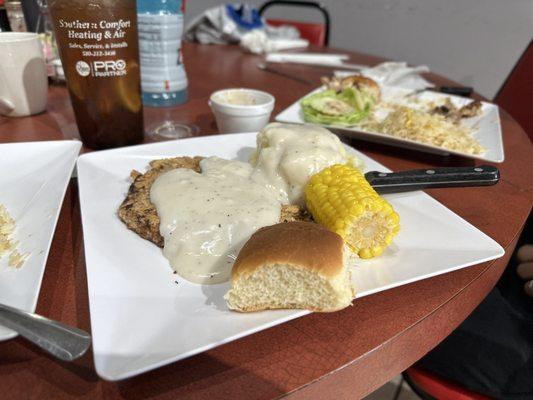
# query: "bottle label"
{"type": "Point", "coordinates": [160, 52]}
{"type": "Point", "coordinates": [159, 39]}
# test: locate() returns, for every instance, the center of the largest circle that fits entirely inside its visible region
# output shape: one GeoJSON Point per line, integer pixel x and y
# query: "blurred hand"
{"type": "Point", "coordinates": [525, 267]}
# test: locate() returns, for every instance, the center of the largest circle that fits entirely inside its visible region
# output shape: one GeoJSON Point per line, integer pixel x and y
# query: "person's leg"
{"type": "Point", "coordinates": [491, 352]}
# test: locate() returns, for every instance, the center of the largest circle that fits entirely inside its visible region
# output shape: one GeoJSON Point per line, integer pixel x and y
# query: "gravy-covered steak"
{"type": "Point", "coordinates": [140, 215]}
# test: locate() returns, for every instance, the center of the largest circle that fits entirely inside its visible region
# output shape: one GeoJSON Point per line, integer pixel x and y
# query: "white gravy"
{"type": "Point", "coordinates": [288, 155]}
{"type": "Point", "coordinates": [207, 217]}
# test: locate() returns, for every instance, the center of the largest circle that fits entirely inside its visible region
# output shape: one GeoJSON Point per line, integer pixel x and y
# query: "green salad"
{"type": "Point", "coordinates": [346, 107]}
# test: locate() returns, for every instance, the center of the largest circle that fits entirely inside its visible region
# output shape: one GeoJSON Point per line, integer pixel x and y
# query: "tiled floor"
{"type": "Point", "coordinates": [387, 391]}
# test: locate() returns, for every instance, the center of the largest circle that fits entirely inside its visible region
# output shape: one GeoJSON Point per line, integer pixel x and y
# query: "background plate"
{"type": "Point", "coordinates": [143, 316]}
{"type": "Point", "coordinates": [488, 128]}
{"type": "Point", "coordinates": [33, 182]}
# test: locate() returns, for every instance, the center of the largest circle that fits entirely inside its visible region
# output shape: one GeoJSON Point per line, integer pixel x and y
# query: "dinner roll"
{"type": "Point", "coordinates": [291, 265]}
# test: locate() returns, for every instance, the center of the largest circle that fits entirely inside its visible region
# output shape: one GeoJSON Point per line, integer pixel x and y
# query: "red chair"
{"type": "Point", "coordinates": [516, 94]}
{"type": "Point", "coordinates": [430, 387]}
{"type": "Point", "coordinates": [317, 34]}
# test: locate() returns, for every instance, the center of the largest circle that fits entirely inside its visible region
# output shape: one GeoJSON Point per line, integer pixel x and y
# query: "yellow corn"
{"type": "Point", "coordinates": [340, 198]}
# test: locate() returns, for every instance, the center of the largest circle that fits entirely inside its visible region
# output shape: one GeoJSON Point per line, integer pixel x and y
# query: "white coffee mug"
{"type": "Point", "coordinates": [23, 78]}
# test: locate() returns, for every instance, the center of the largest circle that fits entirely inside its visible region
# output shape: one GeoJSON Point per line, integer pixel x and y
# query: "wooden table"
{"type": "Point", "coordinates": [343, 355]}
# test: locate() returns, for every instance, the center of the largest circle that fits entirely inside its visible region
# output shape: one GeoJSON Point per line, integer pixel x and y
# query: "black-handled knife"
{"type": "Point", "coordinates": [418, 179]}
{"type": "Point", "coordinates": [464, 91]}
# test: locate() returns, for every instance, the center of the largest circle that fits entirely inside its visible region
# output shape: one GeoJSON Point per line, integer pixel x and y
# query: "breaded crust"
{"type": "Point", "coordinates": [140, 215]}
{"type": "Point", "coordinates": [358, 81]}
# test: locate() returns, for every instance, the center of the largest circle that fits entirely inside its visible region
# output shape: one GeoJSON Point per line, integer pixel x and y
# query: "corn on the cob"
{"type": "Point", "coordinates": [340, 198]}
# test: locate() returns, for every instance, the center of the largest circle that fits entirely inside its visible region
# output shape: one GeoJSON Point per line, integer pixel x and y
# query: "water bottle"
{"type": "Point", "coordinates": [4, 21]}
{"type": "Point", "coordinates": [163, 78]}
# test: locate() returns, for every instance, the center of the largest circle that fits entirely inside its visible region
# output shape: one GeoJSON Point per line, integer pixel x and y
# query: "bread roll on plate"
{"type": "Point", "coordinates": [291, 265]}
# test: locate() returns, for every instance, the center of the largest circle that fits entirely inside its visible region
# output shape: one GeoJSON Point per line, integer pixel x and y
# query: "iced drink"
{"type": "Point", "coordinates": [99, 50]}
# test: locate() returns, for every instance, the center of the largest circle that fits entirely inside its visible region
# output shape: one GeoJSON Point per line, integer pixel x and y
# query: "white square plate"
{"type": "Point", "coordinates": [487, 127]}
{"type": "Point", "coordinates": [33, 182]}
{"type": "Point", "coordinates": [143, 316]}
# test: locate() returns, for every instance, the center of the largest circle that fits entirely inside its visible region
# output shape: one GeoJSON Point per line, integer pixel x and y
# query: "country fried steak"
{"type": "Point", "coordinates": [140, 215]}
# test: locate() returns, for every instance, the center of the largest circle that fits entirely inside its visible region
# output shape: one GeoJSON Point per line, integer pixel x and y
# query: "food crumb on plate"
{"type": "Point", "coordinates": [17, 259]}
{"type": "Point", "coordinates": [7, 245]}
{"type": "Point", "coordinates": [7, 227]}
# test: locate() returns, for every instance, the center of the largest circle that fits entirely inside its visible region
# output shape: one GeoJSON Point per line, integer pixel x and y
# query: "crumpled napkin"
{"type": "Point", "coordinates": [216, 26]}
{"type": "Point", "coordinates": [258, 42]}
{"type": "Point", "coordinates": [236, 23]}
{"type": "Point", "coordinates": [397, 74]}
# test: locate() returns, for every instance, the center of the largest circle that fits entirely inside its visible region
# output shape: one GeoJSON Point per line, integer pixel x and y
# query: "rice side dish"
{"type": "Point", "coordinates": [423, 127]}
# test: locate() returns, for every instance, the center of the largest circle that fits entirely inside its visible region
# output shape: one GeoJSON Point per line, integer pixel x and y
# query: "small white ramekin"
{"type": "Point", "coordinates": [235, 118]}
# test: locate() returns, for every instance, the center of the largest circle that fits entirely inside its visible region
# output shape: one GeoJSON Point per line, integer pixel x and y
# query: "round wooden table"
{"type": "Point", "coordinates": [342, 355]}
